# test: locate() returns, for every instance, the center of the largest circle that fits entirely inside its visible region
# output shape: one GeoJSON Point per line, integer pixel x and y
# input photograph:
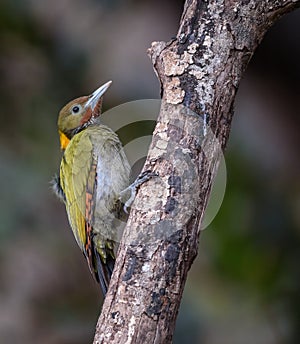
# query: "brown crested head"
{"type": "Point", "coordinates": [79, 113]}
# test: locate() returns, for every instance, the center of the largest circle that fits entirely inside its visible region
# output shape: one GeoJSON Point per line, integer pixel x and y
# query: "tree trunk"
{"type": "Point", "coordinates": [199, 71]}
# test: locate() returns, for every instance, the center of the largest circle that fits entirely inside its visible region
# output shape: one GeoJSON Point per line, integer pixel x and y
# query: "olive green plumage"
{"type": "Point", "coordinates": [93, 172]}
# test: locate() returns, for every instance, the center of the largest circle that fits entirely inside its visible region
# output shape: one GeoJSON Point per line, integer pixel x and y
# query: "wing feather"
{"type": "Point", "coordinates": [74, 171]}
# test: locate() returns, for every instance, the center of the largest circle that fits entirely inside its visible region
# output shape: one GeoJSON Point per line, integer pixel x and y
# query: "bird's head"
{"type": "Point", "coordinates": [79, 114]}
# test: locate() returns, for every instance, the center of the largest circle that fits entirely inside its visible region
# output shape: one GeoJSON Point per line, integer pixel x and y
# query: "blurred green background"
{"type": "Point", "coordinates": [244, 286]}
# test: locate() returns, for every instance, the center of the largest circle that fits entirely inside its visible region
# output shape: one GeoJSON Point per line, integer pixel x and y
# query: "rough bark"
{"type": "Point", "coordinates": [199, 71]}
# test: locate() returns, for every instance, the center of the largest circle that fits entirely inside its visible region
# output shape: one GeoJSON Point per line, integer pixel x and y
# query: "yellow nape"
{"type": "Point", "coordinates": [64, 141]}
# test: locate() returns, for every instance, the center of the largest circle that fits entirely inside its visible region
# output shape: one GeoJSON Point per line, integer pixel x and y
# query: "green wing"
{"type": "Point", "coordinates": [78, 177]}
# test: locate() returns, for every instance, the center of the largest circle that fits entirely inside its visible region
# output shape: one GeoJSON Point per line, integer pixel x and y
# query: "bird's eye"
{"type": "Point", "coordinates": [75, 109]}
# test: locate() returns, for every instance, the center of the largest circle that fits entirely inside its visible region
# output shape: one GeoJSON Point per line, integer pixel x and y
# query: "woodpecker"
{"type": "Point", "coordinates": [94, 172]}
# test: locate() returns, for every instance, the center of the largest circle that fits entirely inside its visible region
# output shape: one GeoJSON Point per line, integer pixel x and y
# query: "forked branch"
{"type": "Point", "coordinates": [199, 72]}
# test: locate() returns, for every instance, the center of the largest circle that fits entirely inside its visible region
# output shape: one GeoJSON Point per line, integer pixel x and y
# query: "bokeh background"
{"type": "Point", "coordinates": [244, 286]}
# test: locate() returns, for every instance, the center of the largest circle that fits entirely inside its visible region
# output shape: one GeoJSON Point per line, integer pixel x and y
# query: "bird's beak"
{"type": "Point", "coordinates": [94, 98]}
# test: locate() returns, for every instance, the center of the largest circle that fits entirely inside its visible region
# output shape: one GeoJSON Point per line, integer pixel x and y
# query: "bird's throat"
{"type": "Point", "coordinates": [64, 140]}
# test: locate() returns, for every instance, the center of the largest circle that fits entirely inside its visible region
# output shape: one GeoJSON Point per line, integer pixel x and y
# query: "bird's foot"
{"type": "Point", "coordinates": [133, 188]}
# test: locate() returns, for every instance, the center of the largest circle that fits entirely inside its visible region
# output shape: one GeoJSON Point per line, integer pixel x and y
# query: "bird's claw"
{"type": "Point", "coordinates": [141, 179]}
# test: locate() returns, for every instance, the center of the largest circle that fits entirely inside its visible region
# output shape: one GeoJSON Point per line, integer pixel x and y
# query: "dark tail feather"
{"type": "Point", "coordinates": [104, 271]}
